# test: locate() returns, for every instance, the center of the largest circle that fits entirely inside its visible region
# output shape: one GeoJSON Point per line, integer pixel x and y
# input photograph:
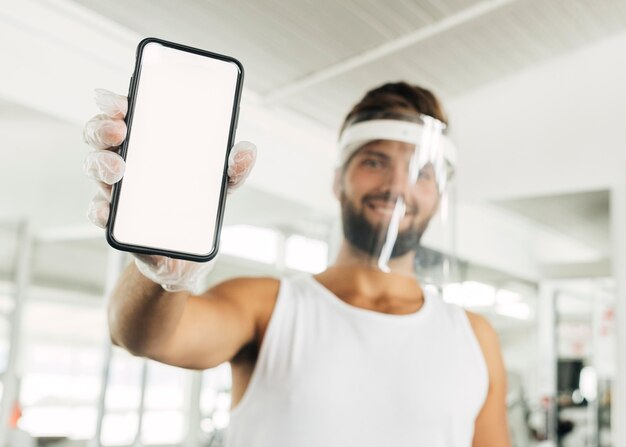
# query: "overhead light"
{"type": "Point", "coordinates": [469, 294]}
{"type": "Point", "coordinates": [519, 310]}
{"type": "Point", "coordinates": [478, 294]}
{"type": "Point", "coordinates": [207, 426]}
{"type": "Point", "coordinates": [453, 293]}
{"type": "Point", "coordinates": [250, 242]}
{"type": "Point", "coordinates": [431, 290]}
{"type": "Point", "coordinates": [306, 254]}
{"type": "Point", "coordinates": [504, 296]}
{"type": "Point", "coordinates": [221, 418]}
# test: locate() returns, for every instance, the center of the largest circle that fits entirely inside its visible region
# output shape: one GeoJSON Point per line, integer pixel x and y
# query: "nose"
{"type": "Point", "coordinates": [397, 180]}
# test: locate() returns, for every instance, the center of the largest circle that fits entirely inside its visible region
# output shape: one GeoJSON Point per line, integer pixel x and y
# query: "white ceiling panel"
{"type": "Point", "coordinates": [503, 42]}
{"type": "Point", "coordinates": [279, 41]}
{"type": "Point", "coordinates": [583, 217]}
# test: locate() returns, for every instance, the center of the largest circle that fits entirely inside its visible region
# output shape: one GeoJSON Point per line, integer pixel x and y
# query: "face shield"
{"type": "Point", "coordinates": [393, 181]}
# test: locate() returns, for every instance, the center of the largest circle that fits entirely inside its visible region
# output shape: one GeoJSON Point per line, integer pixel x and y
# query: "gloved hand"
{"type": "Point", "coordinates": [105, 133]}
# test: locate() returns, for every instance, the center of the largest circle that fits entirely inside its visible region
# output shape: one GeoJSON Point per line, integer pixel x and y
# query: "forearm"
{"type": "Point", "coordinates": [141, 314]}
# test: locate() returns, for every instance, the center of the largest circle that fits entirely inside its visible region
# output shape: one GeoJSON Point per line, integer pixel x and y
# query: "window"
{"type": "Point", "coordinates": [250, 242]}
{"type": "Point", "coordinates": [163, 405]}
{"type": "Point", "coordinates": [59, 390]}
{"type": "Point", "coordinates": [120, 421]}
{"type": "Point", "coordinates": [306, 254]}
{"type": "Point", "coordinates": [62, 362]}
{"type": "Point", "coordinates": [215, 399]}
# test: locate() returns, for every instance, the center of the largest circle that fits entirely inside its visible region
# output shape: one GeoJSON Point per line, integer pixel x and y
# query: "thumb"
{"type": "Point", "coordinates": [240, 162]}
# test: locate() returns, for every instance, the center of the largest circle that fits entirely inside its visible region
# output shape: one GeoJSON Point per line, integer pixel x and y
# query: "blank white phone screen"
{"type": "Point", "coordinates": [177, 145]}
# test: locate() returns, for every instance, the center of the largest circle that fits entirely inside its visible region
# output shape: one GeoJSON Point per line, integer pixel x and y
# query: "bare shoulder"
{"type": "Point", "coordinates": [484, 331]}
{"type": "Point", "coordinates": [489, 343]}
{"type": "Point", "coordinates": [255, 294]}
{"type": "Point", "coordinates": [247, 288]}
{"type": "Point", "coordinates": [491, 427]}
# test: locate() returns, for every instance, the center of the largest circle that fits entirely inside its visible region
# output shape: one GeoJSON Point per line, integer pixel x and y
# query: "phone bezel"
{"type": "Point", "coordinates": [134, 81]}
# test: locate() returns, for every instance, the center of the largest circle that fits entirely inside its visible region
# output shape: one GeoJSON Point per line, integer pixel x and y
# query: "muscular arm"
{"type": "Point", "coordinates": [189, 331]}
{"type": "Point", "coordinates": [491, 426]}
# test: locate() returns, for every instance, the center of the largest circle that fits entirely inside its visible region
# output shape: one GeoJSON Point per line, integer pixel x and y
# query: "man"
{"type": "Point", "coordinates": [358, 355]}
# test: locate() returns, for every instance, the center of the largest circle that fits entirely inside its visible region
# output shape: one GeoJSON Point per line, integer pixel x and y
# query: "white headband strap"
{"type": "Point", "coordinates": [359, 134]}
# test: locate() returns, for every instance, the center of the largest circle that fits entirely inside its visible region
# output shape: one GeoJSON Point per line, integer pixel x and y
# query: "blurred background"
{"type": "Point", "coordinates": [536, 95]}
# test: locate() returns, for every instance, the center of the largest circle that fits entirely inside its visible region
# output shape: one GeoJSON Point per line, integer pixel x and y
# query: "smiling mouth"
{"type": "Point", "coordinates": [387, 207]}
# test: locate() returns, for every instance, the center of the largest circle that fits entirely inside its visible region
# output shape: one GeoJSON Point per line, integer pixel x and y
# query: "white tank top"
{"type": "Point", "coordinates": [334, 375]}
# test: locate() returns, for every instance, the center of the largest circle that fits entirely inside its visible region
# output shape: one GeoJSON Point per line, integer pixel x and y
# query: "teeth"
{"type": "Point", "coordinates": [383, 209]}
{"type": "Point", "coordinates": [386, 208]}
{"type": "Point", "coordinates": [382, 205]}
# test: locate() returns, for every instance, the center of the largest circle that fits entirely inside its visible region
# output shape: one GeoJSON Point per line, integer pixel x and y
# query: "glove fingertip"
{"type": "Point", "coordinates": [245, 146]}
{"type": "Point", "coordinates": [110, 103]}
{"type": "Point", "coordinates": [98, 214]}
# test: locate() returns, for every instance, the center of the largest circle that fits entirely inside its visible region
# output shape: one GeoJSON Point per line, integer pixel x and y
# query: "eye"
{"type": "Point", "coordinates": [372, 163]}
{"type": "Point", "coordinates": [425, 174]}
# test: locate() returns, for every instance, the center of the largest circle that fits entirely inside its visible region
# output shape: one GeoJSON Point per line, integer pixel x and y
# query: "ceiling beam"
{"type": "Point", "coordinates": [594, 269]}
{"type": "Point", "coordinates": [421, 34]}
{"type": "Point", "coordinates": [68, 233]}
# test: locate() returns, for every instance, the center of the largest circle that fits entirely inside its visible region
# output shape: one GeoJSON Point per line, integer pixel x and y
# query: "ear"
{"type": "Point", "coordinates": [436, 206]}
{"type": "Point", "coordinates": [337, 183]}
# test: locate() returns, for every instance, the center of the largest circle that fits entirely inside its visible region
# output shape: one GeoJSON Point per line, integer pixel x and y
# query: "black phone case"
{"type": "Point", "coordinates": [132, 88]}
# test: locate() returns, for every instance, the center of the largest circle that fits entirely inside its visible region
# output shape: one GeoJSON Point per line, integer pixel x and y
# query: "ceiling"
{"type": "Point", "coordinates": [317, 57]}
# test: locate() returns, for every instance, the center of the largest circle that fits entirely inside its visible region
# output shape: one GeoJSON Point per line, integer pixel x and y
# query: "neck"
{"type": "Point", "coordinates": [361, 285]}
{"type": "Point", "coordinates": [349, 256]}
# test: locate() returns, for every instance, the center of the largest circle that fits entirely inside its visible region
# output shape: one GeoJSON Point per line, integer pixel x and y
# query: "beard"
{"type": "Point", "coordinates": [369, 238]}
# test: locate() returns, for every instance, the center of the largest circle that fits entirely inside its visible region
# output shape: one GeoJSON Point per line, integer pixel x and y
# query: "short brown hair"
{"type": "Point", "coordinates": [396, 96]}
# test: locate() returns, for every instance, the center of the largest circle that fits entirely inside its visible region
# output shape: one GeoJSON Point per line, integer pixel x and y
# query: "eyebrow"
{"type": "Point", "coordinates": [375, 153]}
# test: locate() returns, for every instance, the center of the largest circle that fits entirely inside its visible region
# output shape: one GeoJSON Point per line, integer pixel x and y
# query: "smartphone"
{"type": "Point", "coordinates": [183, 105]}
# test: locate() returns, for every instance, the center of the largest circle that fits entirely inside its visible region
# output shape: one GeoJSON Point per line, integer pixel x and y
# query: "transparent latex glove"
{"type": "Point", "coordinates": [105, 133]}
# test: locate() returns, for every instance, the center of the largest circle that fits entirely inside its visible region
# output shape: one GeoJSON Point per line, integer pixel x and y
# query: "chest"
{"type": "Point", "coordinates": [336, 376]}
{"type": "Point", "coordinates": [372, 373]}
{"type": "Point", "coordinates": [427, 379]}
{"type": "Point", "coordinates": [385, 304]}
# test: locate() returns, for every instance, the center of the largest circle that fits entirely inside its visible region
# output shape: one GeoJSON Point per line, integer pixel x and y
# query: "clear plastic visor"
{"type": "Point", "coordinates": [392, 182]}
